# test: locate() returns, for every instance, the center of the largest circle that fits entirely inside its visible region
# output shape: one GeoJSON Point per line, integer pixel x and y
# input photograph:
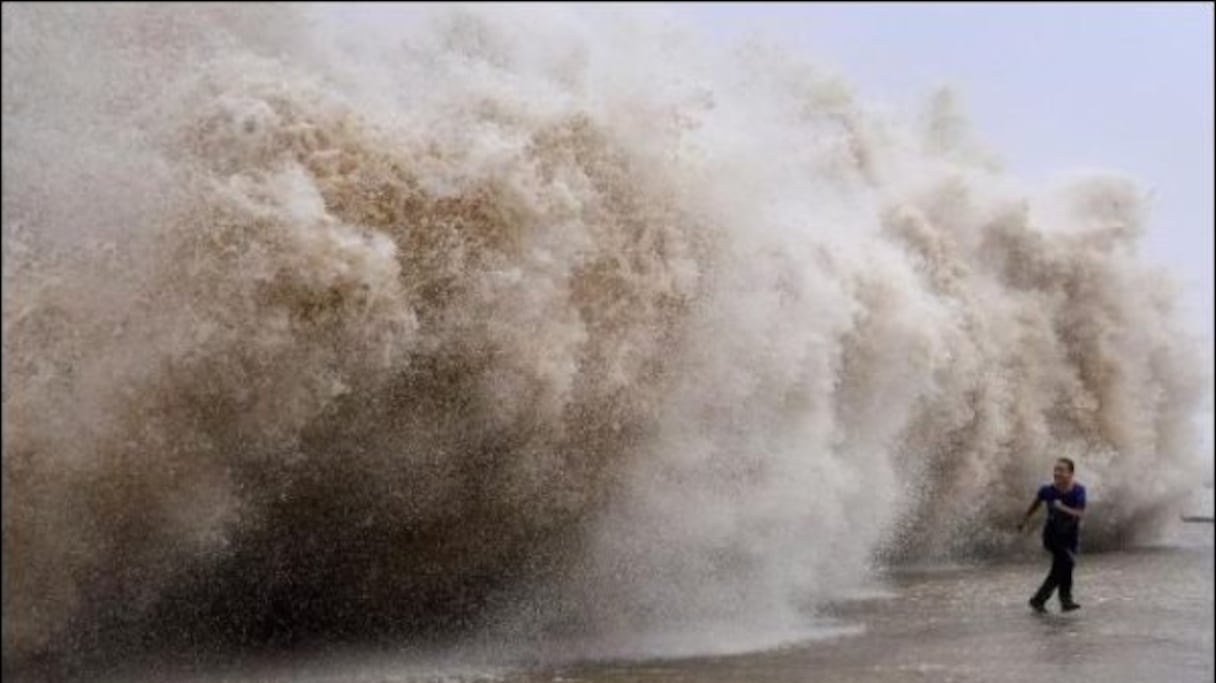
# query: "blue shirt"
{"type": "Point", "coordinates": [1061, 528]}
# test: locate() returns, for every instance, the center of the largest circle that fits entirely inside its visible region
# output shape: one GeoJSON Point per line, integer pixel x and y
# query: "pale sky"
{"type": "Point", "coordinates": [1051, 88]}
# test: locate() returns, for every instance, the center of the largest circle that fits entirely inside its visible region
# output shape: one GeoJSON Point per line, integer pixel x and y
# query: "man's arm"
{"type": "Point", "coordinates": [1075, 512]}
{"type": "Point", "coordinates": [1029, 512]}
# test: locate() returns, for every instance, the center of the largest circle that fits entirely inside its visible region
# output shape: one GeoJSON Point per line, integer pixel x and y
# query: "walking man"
{"type": "Point", "coordinates": [1065, 500]}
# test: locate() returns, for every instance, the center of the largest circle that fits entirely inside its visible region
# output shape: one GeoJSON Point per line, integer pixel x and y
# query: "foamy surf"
{"type": "Point", "coordinates": [463, 320]}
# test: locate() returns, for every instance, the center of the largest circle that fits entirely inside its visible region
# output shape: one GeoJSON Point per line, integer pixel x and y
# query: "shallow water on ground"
{"type": "Point", "coordinates": [1147, 615]}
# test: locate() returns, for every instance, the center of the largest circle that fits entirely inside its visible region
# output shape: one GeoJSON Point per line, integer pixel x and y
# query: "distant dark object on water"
{"type": "Point", "coordinates": [1194, 518]}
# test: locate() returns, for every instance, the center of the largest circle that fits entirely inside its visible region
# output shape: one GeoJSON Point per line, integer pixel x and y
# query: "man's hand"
{"type": "Point", "coordinates": [1075, 512]}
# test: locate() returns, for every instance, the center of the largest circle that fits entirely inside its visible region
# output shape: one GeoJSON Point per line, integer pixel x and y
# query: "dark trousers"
{"type": "Point", "coordinates": [1062, 561]}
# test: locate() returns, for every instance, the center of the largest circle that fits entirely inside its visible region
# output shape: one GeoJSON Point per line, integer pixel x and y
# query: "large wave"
{"type": "Point", "coordinates": [322, 326]}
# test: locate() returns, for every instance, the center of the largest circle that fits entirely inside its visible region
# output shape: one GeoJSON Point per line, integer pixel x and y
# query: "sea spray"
{"type": "Point", "coordinates": [381, 323]}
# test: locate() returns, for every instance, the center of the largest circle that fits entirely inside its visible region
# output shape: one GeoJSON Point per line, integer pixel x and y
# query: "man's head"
{"type": "Point", "coordinates": [1062, 472]}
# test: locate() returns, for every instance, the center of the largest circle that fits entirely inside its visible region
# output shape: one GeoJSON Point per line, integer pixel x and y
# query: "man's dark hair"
{"type": "Point", "coordinates": [1066, 461]}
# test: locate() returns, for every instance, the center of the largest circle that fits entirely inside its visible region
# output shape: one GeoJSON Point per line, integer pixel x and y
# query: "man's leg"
{"type": "Point", "coordinates": [1067, 561]}
{"type": "Point", "coordinates": [1049, 585]}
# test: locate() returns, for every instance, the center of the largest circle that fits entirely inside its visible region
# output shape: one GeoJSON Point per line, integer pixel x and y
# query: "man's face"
{"type": "Point", "coordinates": [1061, 475]}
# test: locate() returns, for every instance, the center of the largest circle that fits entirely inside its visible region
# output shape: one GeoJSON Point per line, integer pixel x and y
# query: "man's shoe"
{"type": "Point", "coordinates": [1069, 606]}
{"type": "Point", "coordinates": [1037, 606]}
